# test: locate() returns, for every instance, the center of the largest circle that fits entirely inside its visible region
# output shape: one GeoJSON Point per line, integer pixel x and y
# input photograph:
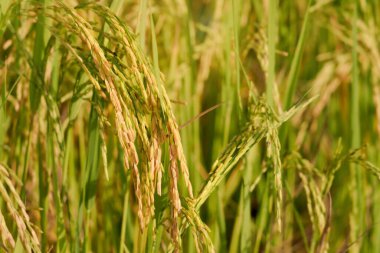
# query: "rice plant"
{"type": "Point", "coordinates": [189, 126]}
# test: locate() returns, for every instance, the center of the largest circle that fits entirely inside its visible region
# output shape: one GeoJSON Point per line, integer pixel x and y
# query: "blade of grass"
{"type": "Point", "coordinates": [123, 247]}
{"type": "Point", "coordinates": [88, 180]}
{"type": "Point", "coordinates": [38, 56]}
{"type": "Point", "coordinates": [141, 22]}
{"type": "Point", "coordinates": [272, 40]}
{"type": "Point", "coordinates": [292, 79]}
{"type": "Point", "coordinates": [357, 221]}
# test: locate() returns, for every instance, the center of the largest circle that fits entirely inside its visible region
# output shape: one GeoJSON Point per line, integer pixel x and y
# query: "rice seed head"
{"type": "Point", "coordinates": [18, 213]}
{"type": "Point", "coordinates": [6, 236]}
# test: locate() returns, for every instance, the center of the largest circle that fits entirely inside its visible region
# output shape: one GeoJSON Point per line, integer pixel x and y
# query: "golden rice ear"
{"type": "Point", "coordinates": [136, 95]}
{"type": "Point", "coordinates": [6, 236]}
{"type": "Point", "coordinates": [18, 214]}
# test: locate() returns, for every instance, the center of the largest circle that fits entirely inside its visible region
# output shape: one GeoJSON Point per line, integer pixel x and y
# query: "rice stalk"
{"type": "Point", "coordinates": [258, 128]}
